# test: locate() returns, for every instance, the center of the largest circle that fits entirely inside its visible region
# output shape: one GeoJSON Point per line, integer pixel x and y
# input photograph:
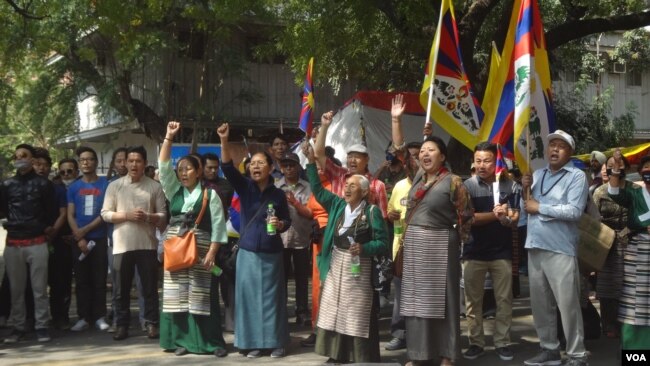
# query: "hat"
{"type": "Point", "coordinates": [358, 148]}
{"type": "Point", "coordinates": [559, 134]}
{"type": "Point", "coordinates": [600, 157]}
{"type": "Point", "coordinates": [290, 157]}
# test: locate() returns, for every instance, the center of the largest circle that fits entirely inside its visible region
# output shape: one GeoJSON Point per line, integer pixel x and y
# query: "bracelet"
{"type": "Point", "coordinates": [167, 138]}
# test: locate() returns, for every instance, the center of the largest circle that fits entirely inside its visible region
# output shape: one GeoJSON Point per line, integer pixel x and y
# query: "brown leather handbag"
{"type": "Point", "coordinates": [180, 251]}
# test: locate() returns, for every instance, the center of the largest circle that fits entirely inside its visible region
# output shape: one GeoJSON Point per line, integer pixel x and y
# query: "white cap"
{"type": "Point", "coordinates": [559, 134]}
{"type": "Point", "coordinates": [358, 148]}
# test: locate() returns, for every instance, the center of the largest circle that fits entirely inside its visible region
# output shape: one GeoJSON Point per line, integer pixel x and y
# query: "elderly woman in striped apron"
{"type": "Point", "coordinates": [190, 321]}
{"type": "Point", "coordinates": [438, 216]}
{"type": "Point", "coordinates": [634, 302]}
{"type": "Point", "coordinates": [347, 321]}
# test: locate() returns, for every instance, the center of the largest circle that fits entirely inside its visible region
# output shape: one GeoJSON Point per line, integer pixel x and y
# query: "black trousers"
{"type": "Point", "coordinates": [125, 264]}
{"type": "Point", "coordinates": [297, 261]}
{"type": "Point", "coordinates": [90, 279]}
{"type": "Point", "coordinates": [60, 279]}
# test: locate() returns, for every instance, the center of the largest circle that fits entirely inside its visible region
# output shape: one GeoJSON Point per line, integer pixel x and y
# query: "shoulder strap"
{"type": "Point", "coordinates": [412, 212]}
{"type": "Point", "coordinates": [241, 232]}
{"type": "Point", "coordinates": [204, 205]}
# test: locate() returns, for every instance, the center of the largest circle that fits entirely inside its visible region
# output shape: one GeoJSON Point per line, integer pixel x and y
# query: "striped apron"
{"type": "Point", "coordinates": [188, 290]}
{"type": "Point", "coordinates": [346, 301]}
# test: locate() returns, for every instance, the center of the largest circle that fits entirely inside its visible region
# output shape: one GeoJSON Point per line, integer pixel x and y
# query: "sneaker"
{"type": "Point", "coordinates": [278, 353]}
{"type": "Point", "coordinates": [112, 328]}
{"type": "Point", "coordinates": [42, 335]}
{"type": "Point", "coordinates": [256, 353]}
{"type": "Point", "coordinates": [505, 353]}
{"type": "Point", "coordinates": [101, 324]}
{"type": "Point", "coordinates": [546, 357]}
{"type": "Point", "coordinates": [395, 344]}
{"type": "Point", "coordinates": [80, 325]}
{"type": "Point", "coordinates": [577, 362]}
{"type": "Point", "coordinates": [473, 352]}
{"type": "Point", "coordinates": [15, 336]}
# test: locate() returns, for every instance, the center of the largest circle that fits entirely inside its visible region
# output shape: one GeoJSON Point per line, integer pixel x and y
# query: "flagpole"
{"type": "Point", "coordinates": [527, 160]}
{"type": "Point", "coordinates": [432, 66]}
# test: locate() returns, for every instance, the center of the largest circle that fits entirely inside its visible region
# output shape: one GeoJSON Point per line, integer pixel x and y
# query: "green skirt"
{"type": "Point", "coordinates": [196, 333]}
{"type": "Point", "coordinates": [635, 337]}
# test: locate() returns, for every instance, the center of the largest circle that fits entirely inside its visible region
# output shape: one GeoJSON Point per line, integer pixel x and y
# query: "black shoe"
{"type": "Point", "coordinates": [121, 333]}
{"type": "Point", "coordinates": [152, 331]}
{"type": "Point", "coordinates": [181, 351]}
{"type": "Point", "coordinates": [15, 336]}
{"type": "Point", "coordinates": [505, 353]}
{"type": "Point", "coordinates": [473, 352]}
{"type": "Point", "coordinates": [220, 352]}
{"type": "Point", "coordinates": [309, 341]}
{"type": "Point", "coordinates": [395, 344]}
{"type": "Point", "coordinates": [331, 361]}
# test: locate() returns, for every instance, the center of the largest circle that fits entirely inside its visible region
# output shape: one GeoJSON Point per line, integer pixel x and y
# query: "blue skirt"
{"type": "Point", "coordinates": [261, 319]}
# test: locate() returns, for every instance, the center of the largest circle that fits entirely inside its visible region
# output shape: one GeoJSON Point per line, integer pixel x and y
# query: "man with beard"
{"type": "Point", "coordinates": [27, 200]}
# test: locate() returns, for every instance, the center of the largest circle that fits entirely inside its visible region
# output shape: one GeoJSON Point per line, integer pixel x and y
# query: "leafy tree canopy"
{"type": "Point", "coordinates": [381, 44]}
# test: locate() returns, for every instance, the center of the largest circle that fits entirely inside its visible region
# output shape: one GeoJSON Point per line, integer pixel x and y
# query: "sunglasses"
{"type": "Point", "coordinates": [66, 171]}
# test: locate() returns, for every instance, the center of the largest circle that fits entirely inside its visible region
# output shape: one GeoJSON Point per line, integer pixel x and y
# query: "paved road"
{"type": "Point", "coordinates": [93, 347]}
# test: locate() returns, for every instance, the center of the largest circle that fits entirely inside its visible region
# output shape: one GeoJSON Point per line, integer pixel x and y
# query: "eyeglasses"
{"type": "Point", "coordinates": [66, 171]}
{"type": "Point", "coordinates": [258, 163]}
{"type": "Point", "coordinates": [86, 160]}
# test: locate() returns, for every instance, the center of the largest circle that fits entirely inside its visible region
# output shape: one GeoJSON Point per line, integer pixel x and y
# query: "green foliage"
{"type": "Point", "coordinates": [38, 107]}
{"type": "Point", "coordinates": [633, 50]}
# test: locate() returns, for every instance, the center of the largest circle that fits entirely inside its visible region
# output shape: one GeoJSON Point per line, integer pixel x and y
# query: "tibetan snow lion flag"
{"type": "Point", "coordinates": [307, 110]}
{"type": "Point", "coordinates": [446, 94]}
{"type": "Point", "coordinates": [522, 115]}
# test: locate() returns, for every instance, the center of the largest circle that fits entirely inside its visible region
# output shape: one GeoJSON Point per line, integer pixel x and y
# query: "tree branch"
{"type": "Point", "coordinates": [577, 29]}
{"type": "Point", "coordinates": [23, 12]}
{"type": "Point", "coordinates": [468, 28]}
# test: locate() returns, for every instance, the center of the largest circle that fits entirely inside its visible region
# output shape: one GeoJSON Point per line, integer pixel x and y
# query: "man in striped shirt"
{"type": "Point", "coordinates": [357, 163]}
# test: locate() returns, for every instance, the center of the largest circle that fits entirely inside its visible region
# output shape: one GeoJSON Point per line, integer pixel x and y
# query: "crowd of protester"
{"type": "Point", "coordinates": [327, 225]}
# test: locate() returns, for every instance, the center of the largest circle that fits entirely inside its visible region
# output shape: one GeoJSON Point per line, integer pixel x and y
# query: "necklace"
{"type": "Point", "coordinates": [552, 186]}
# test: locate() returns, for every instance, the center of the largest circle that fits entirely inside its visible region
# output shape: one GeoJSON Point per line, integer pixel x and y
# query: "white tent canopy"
{"type": "Point", "coordinates": [370, 112]}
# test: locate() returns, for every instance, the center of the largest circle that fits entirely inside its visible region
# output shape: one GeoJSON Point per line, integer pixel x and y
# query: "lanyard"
{"type": "Point", "coordinates": [552, 186]}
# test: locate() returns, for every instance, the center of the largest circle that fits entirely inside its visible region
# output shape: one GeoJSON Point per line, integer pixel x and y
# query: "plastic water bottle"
{"type": "Point", "coordinates": [270, 228]}
{"type": "Point", "coordinates": [90, 245]}
{"type": "Point", "coordinates": [398, 229]}
{"type": "Point", "coordinates": [216, 271]}
{"type": "Point", "coordinates": [355, 262]}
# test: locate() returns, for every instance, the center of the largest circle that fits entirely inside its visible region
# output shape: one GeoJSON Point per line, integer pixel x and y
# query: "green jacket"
{"type": "Point", "coordinates": [335, 207]}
